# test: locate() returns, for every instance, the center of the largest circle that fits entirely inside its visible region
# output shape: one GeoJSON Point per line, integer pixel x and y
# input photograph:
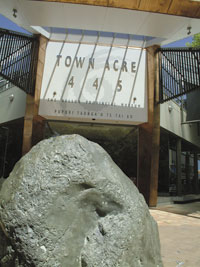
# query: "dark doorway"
{"type": "Point", "coordinates": [119, 141]}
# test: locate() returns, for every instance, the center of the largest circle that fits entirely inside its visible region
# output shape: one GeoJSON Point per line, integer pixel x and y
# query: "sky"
{"type": "Point", "coordinates": [7, 24]}
{"type": "Point", "coordinates": [180, 43]}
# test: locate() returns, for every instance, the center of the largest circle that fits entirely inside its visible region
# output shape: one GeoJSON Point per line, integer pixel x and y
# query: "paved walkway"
{"type": "Point", "coordinates": [179, 229]}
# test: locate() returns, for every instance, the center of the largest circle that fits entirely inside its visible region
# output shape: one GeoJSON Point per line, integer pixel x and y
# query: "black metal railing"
{"type": "Point", "coordinates": [179, 72]}
{"type": "Point", "coordinates": [18, 59]}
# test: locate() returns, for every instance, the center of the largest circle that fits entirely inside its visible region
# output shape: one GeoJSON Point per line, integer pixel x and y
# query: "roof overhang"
{"type": "Point", "coordinates": [185, 8]}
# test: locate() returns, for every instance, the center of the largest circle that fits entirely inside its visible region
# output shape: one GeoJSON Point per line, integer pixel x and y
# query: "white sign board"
{"type": "Point", "coordinates": [92, 82]}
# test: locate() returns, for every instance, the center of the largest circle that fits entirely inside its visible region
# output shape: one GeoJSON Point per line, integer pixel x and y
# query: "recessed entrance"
{"type": "Point", "coordinates": [119, 141]}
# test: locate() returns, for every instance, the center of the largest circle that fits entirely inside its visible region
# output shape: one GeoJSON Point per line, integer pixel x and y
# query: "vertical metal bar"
{"type": "Point", "coordinates": [160, 78]}
{"type": "Point", "coordinates": [167, 93]}
{"type": "Point", "coordinates": [171, 88]}
{"type": "Point", "coordinates": [173, 73]}
{"type": "Point", "coordinates": [186, 71]}
{"type": "Point", "coordinates": [182, 69]}
{"type": "Point", "coordinates": [191, 73]}
{"type": "Point", "coordinates": [82, 87]}
{"type": "Point", "coordinates": [127, 45]}
{"type": "Point", "coordinates": [104, 70]}
{"type": "Point", "coordinates": [162, 69]}
{"type": "Point", "coordinates": [166, 75]}
{"type": "Point", "coordinates": [5, 47]}
{"type": "Point", "coordinates": [16, 72]}
{"type": "Point", "coordinates": [13, 57]}
{"type": "Point", "coordinates": [13, 60]}
{"type": "Point", "coordinates": [21, 62]}
{"type": "Point", "coordinates": [196, 68]}
{"type": "Point", "coordinates": [72, 65]}
{"type": "Point", "coordinates": [186, 67]}
{"type": "Point", "coordinates": [193, 69]}
{"type": "Point", "coordinates": [23, 65]}
{"type": "Point", "coordinates": [6, 55]}
{"type": "Point", "coordinates": [4, 44]}
{"type": "Point", "coordinates": [9, 67]}
{"type": "Point", "coordinates": [177, 74]}
{"type": "Point", "coordinates": [169, 77]}
{"type": "Point", "coordinates": [164, 59]}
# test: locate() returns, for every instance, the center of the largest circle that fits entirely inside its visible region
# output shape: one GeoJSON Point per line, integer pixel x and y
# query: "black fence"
{"type": "Point", "coordinates": [179, 72]}
{"type": "Point", "coordinates": [18, 59]}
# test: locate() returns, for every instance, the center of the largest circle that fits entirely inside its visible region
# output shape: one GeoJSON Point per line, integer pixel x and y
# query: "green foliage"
{"type": "Point", "coordinates": [195, 41]}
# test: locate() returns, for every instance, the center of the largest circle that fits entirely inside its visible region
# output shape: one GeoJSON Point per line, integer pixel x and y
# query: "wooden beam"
{"type": "Point", "coordinates": [28, 124]}
{"type": "Point", "coordinates": [184, 8]}
{"type": "Point", "coordinates": [32, 122]}
{"type": "Point", "coordinates": [157, 6]}
{"type": "Point", "coordinates": [149, 135]}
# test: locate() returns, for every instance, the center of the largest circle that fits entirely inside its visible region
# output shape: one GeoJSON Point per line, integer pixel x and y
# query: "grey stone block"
{"type": "Point", "coordinates": [66, 203]}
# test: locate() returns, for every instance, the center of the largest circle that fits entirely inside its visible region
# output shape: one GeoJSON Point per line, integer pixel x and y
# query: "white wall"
{"type": "Point", "coordinates": [171, 121]}
{"type": "Point", "coordinates": [15, 109]}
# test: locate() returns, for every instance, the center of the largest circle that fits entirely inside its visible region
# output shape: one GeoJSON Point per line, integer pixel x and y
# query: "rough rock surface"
{"type": "Point", "coordinates": [66, 203]}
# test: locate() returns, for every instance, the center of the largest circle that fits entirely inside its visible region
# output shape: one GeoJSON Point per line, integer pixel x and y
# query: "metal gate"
{"type": "Point", "coordinates": [18, 59]}
{"type": "Point", "coordinates": [179, 72]}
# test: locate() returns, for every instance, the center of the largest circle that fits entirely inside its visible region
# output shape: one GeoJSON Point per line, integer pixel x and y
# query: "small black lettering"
{"type": "Point", "coordinates": [133, 67]}
{"type": "Point", "coordinates": [58, 59]}
{"type": "Point", "coordinates": [124, 66]}
{"type": "Point", "coordinates": [68, 61]}
{"type": "Point", "coordinates": [114, 65]}
{"type": "Point", "coordinates": [107, 66]}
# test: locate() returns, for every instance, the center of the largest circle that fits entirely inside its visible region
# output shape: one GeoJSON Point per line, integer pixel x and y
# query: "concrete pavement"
{"type": "Point", "coordinates": [179, 229]}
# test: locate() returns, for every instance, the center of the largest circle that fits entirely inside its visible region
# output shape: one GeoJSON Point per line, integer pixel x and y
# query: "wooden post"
{"type": "Point", "coordinates": [33, 124]}
{"type": "Point", "coordinates": [178, 167]}
{"type": "Point", "coordinates": [149, 134]}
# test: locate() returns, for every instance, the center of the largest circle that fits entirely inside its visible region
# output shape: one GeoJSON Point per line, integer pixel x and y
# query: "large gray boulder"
{"type": "Point", "coordinates": [66, 203]}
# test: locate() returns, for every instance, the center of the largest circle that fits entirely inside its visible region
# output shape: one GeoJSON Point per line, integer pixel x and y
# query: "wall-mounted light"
{"type": "Point", "coordinates": [14, 12]}
{"type": "Point", "coordinates": [170, 108]}
{"type": "Point", "coordinates": [11, 98]}
{"type": "Point", "coordinates": [189, 28]}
